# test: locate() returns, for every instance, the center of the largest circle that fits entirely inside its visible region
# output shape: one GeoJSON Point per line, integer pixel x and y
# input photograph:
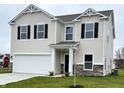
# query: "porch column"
{"type": "Point", "coordinates": [71, 61]}
{"type": "Point", "coordinates": [53, 59]}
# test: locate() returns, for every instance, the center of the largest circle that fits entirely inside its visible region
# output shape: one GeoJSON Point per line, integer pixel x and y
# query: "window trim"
{"type": "Point", "coordinates": [40, 31]}
{"type": "Point", "coordinates": [72, 33]}
{"type": "Point", "coordinates": [24, 32]}
{"type": "Point", "coordinates": [92, 61]}
{"type": "Point", "coordinates": [89, 31]}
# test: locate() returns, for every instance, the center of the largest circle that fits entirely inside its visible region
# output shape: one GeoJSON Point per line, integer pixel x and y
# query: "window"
{"type": "Point", "coordinates": [40, 31]}
{"type": "Point", "coordinates": [89, 30]}
{"type": "Point", "coordinates": [88, 62]}
{"type": "Point", "coordinates": [69, 33]}
{"type": "Point", "coordinates": [23, 32]}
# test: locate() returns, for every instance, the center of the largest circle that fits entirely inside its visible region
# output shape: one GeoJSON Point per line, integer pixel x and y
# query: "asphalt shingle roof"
{"type": "Point", "coordinates": [68, 18]}
{"type": "Point", "coordinates": [64, 44]}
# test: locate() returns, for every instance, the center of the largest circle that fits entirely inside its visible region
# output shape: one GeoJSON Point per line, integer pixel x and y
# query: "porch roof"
{"type": "Point", "coordinates": [65, 44]}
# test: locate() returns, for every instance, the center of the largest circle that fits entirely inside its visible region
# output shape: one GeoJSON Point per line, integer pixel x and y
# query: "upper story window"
{"type": "Point", "coordinates": [88, 65]}
{"type": "Point", "coordinates": [23, 32]}
{"type": "Point", "coordinates": [41, 31]}
{"type": "Point", "coordinates": [89, 30]}
{"type": "Point", "coordinates": [69, 33]}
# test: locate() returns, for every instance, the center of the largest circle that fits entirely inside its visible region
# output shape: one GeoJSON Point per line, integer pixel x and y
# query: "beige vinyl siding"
{"type": "Point", "coordinates": [94, 46]}
{"type": "Point", "coordinates": [109, 45]}
{"type": "Point", "coordinates": [60, 32]}
{"type": "Point", "coordinates": [32, 45]}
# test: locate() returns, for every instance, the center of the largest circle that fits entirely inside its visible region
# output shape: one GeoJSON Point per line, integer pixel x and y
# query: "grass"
{"type": "Point", "coordinates": [64, 82]}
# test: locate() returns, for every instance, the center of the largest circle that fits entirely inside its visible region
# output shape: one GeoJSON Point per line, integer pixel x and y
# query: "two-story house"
{"type": "Point", "coordinates": [41, 42]}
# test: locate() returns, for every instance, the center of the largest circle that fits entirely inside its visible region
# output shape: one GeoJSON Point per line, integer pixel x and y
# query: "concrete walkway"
{"type": "Point", "coordinates": [14, 77]}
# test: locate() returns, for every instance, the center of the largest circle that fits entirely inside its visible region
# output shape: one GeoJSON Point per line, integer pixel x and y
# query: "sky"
{"type": "Point", "coordinates": [9, 11]}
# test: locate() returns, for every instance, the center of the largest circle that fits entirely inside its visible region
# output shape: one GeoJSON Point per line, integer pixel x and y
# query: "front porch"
{"type": "Point", "coordinates": [63, 57]}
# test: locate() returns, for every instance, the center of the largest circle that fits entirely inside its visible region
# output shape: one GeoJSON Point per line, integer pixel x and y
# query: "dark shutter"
{"type": "Point", "coordinates": [18, 32]}
{"type": "Point", "coordinates": [28, 31]}
{"type": "Point", "coordinates": [96, 30]}
{"type": "Point", "coordinates": [82, 30]}
{"type": "Point", "coordinates": [35, 31]}
{"type": "Point", "coordinates": [46, 30]}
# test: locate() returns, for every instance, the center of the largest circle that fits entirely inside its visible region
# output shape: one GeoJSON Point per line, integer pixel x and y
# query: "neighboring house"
{"type": "Point", "coordinates": [41, 42]}
{"type": "Point", "coordinates": [2, 59]}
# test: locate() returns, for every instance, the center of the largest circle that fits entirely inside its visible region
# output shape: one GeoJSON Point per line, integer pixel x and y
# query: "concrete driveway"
{"type": "Point", "coordinates": [14, 77]}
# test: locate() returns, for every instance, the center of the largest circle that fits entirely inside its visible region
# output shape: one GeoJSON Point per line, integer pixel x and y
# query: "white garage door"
{"type": "Point", "coordinates": [40, 64]}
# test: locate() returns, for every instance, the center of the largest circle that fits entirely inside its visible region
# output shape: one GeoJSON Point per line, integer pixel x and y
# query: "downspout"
{"type": "Point", "coordinates": [103, 50]}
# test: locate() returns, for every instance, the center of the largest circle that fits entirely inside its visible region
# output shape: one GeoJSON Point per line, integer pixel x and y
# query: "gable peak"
{"type": "Point", "coordinates": [32, 8]}
{"type": "Point", "coordinates": [90, 12]}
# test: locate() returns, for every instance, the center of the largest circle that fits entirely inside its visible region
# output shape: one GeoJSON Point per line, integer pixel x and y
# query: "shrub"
{"type": "Point", "coordinates": [114, 72]}
{"type": "Point", "coordinates": [51, 73]}
{"type": "Point", "coordinates": [76, 86]}
{"type": "Point", "coordinates": [67, 74]}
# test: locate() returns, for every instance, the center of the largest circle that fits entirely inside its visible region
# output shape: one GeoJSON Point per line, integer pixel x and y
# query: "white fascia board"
{"type": "Point", "coordinates": [76, 20]}
{"type": "Point", "coordinates": [97, 13]}
{"type": "Point", "coordinates": [32, 53]}
{"type": "Point", "coordinates": [76, 44]}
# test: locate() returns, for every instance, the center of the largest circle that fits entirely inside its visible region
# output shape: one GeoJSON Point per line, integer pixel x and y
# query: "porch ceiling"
{"type": "Point", "coordinates": [65, 44]}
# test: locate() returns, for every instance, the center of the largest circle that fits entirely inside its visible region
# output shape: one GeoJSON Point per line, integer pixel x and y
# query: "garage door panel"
{"type": "Point", "coordinates": [32, 64]}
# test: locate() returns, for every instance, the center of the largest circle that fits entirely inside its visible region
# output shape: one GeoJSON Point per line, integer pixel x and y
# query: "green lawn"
{"type": "Point", "coordinates": [64, 82]}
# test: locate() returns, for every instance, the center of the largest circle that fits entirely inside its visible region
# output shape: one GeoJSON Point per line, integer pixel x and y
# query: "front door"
{"type": "Point", "coordinates": [66, 63]}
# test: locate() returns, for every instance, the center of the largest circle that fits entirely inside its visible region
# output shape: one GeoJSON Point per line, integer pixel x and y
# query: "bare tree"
{"type": "Point", "coordinates": [122, 50]}
{"type": "Point", "coordinates": [120, 53]}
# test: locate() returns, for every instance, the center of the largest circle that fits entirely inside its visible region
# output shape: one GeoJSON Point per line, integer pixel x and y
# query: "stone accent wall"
{"type": "Point", "coordinates": [97, 70]}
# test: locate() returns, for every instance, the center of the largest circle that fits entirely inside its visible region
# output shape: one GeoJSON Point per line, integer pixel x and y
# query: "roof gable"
{"type": "Point", "coordinates": [30, 9]}
{"type": "Point", "coordinates": [71, 17]}
{"type": "Point", "coordinates": [90, 12]}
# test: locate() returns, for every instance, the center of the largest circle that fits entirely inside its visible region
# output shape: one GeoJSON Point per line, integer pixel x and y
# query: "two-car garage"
{"type": "Point", "coordinates": [29, 63]}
